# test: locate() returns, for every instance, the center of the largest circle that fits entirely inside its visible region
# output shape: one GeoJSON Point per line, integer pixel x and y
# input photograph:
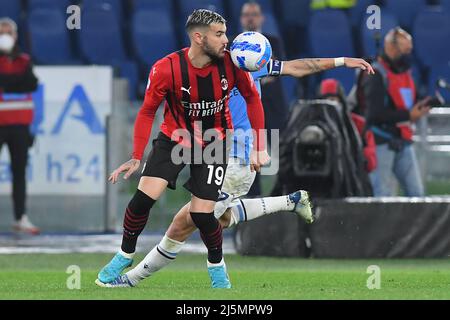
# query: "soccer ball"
{"type": "Point", "coordinates": [251, 51]}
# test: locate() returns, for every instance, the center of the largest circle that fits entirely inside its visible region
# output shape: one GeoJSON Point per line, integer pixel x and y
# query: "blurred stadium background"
{"type": "Point", "coordinates": [92, 82]}
{"type": "Point", "coordinates": [130, 29]}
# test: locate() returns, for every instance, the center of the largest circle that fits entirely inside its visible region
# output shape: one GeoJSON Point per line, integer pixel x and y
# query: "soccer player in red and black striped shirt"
{"type": "Point", "coordinates": [196, 83]}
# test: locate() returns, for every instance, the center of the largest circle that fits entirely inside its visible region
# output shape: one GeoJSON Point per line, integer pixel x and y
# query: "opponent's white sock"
{"type": "Point", "coordinates": [160, 256]}
{"type": "Point", "coordinates": [249, 209]}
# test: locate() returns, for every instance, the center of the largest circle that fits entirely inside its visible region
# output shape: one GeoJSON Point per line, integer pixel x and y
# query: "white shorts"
{"type": "Point", "coordinates": [237, 182]}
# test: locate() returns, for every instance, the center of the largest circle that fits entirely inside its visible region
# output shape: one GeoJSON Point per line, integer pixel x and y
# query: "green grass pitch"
{"type": "Point", "coordinates": [43, 276]}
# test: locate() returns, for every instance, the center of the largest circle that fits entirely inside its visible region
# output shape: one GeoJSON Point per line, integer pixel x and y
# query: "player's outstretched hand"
{"type": "Point", "coordinates": [359, 63]}
{"type": "Point", "coordinates": [128, 167]}
{"type": "Point", "coordinates": [258, 159]}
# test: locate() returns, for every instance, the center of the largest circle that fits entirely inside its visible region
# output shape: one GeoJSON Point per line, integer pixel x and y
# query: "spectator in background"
{"type": "Point", "coordinates": [275, 106]}
{"type": "Point", "coordinates": [390, 103]}
{"type": "Point", "coordinates": [17, 81]}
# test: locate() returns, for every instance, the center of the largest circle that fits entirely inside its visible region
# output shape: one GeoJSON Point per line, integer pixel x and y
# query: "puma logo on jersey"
{"type": "Point", "coordinates": [187, 90]}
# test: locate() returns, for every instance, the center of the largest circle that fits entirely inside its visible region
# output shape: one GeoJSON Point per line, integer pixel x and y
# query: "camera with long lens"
{"type": "Point", "coordinates": [312, 156]}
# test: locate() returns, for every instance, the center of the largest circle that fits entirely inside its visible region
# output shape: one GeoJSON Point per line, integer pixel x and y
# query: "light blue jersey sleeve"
{"type": "Point", "coordinates": [243, 137]}
{"type": "Point", "coordinates": [257, 75]}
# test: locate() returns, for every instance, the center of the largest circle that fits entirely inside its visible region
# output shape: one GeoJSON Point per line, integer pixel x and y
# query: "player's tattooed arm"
{"type": "Point", "coordinates": [313, 65]}
{"type": "Point", "coordinates": [304, 67]}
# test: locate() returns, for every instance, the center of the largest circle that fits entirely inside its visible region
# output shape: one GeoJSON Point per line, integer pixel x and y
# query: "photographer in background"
{"type": "Point", "coordinates": [17, 81]}
{"type": "Point", "coordinates": [390, 102]}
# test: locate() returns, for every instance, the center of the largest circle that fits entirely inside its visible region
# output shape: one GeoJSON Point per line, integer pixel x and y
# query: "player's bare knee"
{"type": "Point", "coordinates": [152, 186]}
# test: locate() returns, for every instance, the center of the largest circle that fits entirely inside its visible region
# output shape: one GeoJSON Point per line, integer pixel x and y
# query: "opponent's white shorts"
{"type": "Point", "coordinates": [237, 183]}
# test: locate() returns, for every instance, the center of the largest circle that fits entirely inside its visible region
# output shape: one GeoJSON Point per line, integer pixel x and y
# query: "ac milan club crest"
{"type": "Point", "coordinates": [224, 84]}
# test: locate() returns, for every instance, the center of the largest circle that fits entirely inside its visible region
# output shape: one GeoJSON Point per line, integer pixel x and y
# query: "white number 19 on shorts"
{"type": "Point", "coordinates": [218, 174]}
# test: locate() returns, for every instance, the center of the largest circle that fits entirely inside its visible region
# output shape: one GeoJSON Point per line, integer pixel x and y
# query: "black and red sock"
{"type": "Point", "coordinates": [211, 234]}
{"type": "Point", "coordinates": [136, 216]}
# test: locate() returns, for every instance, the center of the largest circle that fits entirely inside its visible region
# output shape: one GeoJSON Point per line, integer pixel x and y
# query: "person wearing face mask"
{"type": "Point", "coordinates": [391, 107]}
{"type": "Point", "coordinates": [17, 81]}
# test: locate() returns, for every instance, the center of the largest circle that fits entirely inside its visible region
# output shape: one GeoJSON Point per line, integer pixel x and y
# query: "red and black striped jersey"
{"type": "Point", "coordinates": [196, 99]}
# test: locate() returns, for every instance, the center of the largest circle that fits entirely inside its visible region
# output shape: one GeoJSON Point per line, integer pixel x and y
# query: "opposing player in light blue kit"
{"type": "Point", "coordinates": [230, 208]}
